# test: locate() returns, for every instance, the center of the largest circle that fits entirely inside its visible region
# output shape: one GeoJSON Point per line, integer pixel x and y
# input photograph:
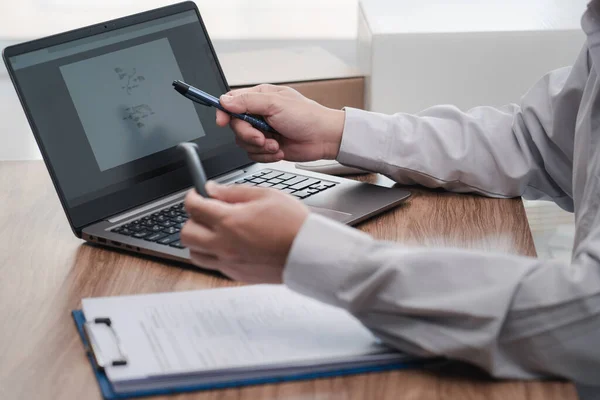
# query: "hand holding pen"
{"type": "Point", "coordinates": [206, 99]}
{"type": "Point", "coordinates": [307, 130]}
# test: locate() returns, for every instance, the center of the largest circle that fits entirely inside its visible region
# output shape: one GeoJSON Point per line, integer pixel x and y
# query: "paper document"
{"type": "Point", "coordinates": [221, 329]}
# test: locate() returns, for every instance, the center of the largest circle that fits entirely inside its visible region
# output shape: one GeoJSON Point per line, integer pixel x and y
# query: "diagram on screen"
{"type": "Point", "coordinates": [129, 79]}
{"type": "Point", "coordinates": [138, 113]}
{"type": "Point", "coordinates": [134, 111]}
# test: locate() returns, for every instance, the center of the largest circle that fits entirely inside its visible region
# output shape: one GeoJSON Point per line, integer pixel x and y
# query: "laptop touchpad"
{"type": "Point", "coordinates": [332, 214]}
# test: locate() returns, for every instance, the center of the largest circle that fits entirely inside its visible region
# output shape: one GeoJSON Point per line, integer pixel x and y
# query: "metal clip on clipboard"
{"type": "Point", "coordinates": [94, 349]}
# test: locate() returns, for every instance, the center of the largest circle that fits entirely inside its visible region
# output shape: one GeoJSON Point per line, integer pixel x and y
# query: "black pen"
{"type": "Point", "coordinates": [206, 99]}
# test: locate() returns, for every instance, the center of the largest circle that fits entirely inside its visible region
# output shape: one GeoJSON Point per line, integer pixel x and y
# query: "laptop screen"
{"type": "Point", "coordinates": [107, 118]}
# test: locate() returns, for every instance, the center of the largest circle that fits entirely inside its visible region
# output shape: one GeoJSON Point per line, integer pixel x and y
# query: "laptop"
{"type": "Point", "coordinates": [107, 121]}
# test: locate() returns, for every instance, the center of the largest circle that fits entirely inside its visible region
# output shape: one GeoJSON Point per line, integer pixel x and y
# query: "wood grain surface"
{"type": "Point", "coordinates": [45, 272]}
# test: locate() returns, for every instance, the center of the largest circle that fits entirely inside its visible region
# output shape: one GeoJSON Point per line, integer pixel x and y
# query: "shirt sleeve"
{"type": "Point", "coordinates": [515, 317]}
{"type": "Point", "coordinates": [516, 150]}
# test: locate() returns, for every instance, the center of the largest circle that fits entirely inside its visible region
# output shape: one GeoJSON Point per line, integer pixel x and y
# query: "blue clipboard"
{"type": "Point", "coordinates": [109, 394]}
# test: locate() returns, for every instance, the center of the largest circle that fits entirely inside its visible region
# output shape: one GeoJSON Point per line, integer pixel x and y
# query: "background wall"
{"type": "Point", "coordinates": [225, 19]}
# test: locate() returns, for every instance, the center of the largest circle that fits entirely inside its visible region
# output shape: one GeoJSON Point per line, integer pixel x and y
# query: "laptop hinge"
{"type": "Point", "coordinates": [149, 206]}
{"type": "Point", "coordinates": [166, 200]}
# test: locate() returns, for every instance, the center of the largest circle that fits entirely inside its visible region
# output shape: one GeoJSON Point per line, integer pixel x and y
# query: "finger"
{"type": "Point", "coordinates": [251, 102]}
{"type": "Point", "coordinates": [198, 238]}
{"type": "Point", "coordinates": [247, 133]}
{"type": "Point", "coordinates": [271, 146]}
{"type": "Point", "coordinates": [262, 88]}
{"type": "Point", "coordinates": [267, 158]}
{"type": "Point", "coordinates": [235, 193]}
{"type": "Point", "coordinates": [222, 118]}
{"type": "Point", "coordinates": [207, 212]}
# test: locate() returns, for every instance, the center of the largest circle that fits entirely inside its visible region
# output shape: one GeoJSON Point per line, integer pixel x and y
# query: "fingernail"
{"type": "Point", "coordinates": [211, 186]}
{"type": "Point", "coordinates": [272, 147]}
{"type": "Point", "coordinates": [226, 98]}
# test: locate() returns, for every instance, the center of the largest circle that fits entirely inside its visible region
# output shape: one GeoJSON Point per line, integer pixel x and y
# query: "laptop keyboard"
{"type": "Point", "coordinates": [296, 185]}
{"type": "Point", "coordinates": [162, 227]}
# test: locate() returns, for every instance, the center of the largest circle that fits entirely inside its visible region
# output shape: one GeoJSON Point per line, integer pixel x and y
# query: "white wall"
{"type": "Point", "coordinates": [225, 19]}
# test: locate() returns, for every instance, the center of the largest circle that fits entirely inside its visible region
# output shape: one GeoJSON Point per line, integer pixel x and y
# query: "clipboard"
{"type": "Point", "coordinates": [109, 394]}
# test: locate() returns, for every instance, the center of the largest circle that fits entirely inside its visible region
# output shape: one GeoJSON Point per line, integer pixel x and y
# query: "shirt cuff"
{"type": "Point", "coordinates": [365, 140]}
{"type": "Point", "coordinates": [321, 257]}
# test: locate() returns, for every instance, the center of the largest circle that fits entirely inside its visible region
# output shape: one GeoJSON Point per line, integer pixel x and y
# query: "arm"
{"type": "Point", "coordinates": [515, 317]}
{"type": "Point", "coordinates": [501, 152]}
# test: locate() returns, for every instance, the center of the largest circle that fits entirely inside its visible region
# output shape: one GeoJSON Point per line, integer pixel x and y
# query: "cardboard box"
{"type": "Point", "coordinates": [334, 93]}
{"type": "Point", "coordinates": [312, 71]}
{"type": "Point", "coordinates": [416, 54]}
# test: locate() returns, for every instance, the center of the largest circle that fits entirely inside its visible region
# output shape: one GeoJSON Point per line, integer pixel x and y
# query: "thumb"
{"type": "Point", "coordinates": [250, 102]}
{"type": "Point", "coordinates": [234, 193]}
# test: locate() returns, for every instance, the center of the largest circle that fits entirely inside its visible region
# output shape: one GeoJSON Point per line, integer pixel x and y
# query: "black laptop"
{"type": "Point", "coordinates": [107, 121]}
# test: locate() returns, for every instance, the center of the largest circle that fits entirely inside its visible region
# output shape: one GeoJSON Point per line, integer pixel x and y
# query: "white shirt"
{"type": "Point", "coordinates": [515, 317]}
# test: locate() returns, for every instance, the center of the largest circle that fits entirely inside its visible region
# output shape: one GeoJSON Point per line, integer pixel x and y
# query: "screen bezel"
{"type": "Point", "coordinates": [177, 177]}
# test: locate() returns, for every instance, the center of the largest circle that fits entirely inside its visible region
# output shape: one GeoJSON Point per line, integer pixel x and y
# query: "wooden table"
{"type": "Point", "coordinates": [45, 272]}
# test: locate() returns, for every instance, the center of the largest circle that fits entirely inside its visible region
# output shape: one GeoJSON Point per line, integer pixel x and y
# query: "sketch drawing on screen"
{"type": "Point", "coordinates": [129, 80]}
{"type": "Point", "coordinates": [134, 111]}
{"type": "Point", "coordinates": [132, 79]}
{"type": "Point", "coordinates": [138, 113]}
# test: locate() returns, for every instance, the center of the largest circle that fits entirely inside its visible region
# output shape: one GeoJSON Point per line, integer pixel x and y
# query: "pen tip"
{"type": "Point", "coordinates": [180, 87]}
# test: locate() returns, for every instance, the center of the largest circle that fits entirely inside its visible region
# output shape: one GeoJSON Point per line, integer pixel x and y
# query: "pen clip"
{"type": "Point", "coordinates": [94, 349]}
